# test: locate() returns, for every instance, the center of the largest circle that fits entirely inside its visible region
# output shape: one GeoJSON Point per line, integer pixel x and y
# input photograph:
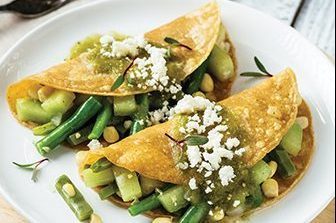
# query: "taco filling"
{"type": "Point", "coordinates": [211, 162]}
{"type": "Point", "coordinates": [114, 85]}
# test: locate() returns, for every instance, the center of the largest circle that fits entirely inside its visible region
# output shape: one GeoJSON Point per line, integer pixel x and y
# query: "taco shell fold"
{"type": "Point", "coordinates": [266, 112]}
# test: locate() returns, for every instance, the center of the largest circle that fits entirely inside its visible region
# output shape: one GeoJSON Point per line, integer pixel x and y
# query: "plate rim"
{"type": "Point", "coordinates": [295, 32]}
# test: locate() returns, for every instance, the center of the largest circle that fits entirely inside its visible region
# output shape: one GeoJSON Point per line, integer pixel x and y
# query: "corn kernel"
{"type": "Point", "coordinates": [270, 188]}
{"type": "Point", "coordinates": [44, 93]}
{"type": "Point", "coordinates": [274, 166]}
{"type": "Point", "coordinates": [162, 220]}
{"type": "Point", "coordinates": [207, 84]}
{"type": "Point", "coordinates": [111, 134]}
{"type": "Point", "coordinates": [69, 189]}
{"type": "Point", "coordinates": [95, 219]}
{"type": "Point", "coordinates": [199, 94]}
{"type": "Point", "coordinates": [303, 122]}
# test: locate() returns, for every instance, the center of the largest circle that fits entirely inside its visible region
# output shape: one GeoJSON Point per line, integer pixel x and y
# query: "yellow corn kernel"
{"type": "Point", "coordinates": [274, 166]}
{"type": "Point", "coordinates": [207, 84]}
{"type": "Point", "coordinates": [44, 93]}
{"type": "Point", "coordinates": [128, 124]}
{"type": "Point", "coordinates": [69, 190]}
{"type": "Point", "coordinates": [270, 188]}
{"type": "Point", "coordinates": [199, 94]}
{"type": "Point", "coordinates": [218, 215]}
{"type": "Point", "coordinates": [95, 219]}
{"type": "Point", "coordinates": [32, 91]}
{"type": "Point", "coordinates": [111, 134]}
{"type": "Point", "coordinates": [303, 122]}
{"type": "Point", "coordinates": [162, 220]}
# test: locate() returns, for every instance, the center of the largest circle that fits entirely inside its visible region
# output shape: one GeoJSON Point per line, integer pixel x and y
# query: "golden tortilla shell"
{"type": "Point", "coordinates": [266, 112]}
{"type": "Point", "coordinates": [198, 29]}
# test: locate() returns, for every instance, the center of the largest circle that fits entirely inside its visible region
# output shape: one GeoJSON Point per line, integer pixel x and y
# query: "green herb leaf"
{"type": "Point", "coordinates": [253, 74]}
{"type": "Point", "coordinates": [261, 67]}
{"type": "Point", "coordinates": [32, 166]}
{"type": "Point", "coordinates": [196, 140]}
{"type": "Point", "coordinates": [120, 80]}
{"type": "Point", "coordinates": [174, 42]}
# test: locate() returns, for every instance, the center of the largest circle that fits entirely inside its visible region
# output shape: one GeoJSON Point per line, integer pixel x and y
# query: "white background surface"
{"type": "Point", "coordinates": [279, 48]}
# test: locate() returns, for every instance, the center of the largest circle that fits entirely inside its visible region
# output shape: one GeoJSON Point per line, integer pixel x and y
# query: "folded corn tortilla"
{"type": "Point", "coordinates": [198, 30]}
{"type": "Point", "coordinates": [265, 112]}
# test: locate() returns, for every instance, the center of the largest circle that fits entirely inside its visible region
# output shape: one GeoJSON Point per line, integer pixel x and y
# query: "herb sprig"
{"type": "Point", "coordinates": [33, 167]}
{"type": "Point", "coordinates": [192, 140]}
{"type": "Point", "coordinates": [263, 71]}
{"type": "Point", "coordinates": [121, 79]}
{"type": "Point", "coordinates": [174, 42]}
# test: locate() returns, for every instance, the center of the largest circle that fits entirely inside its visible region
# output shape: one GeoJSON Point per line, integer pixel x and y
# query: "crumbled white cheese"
{"type": "Point", "coordinates": [194, 155]}
{"type": "Point", "coordinates": [226, 175]}
{"type": "Point", "coordinates": [183, 165]}
{"type": "Point", "coordinates": [232, 143]}
{"type": "Point", "coordinates": [160, 115]}
{"type": "Point", "coordinates": [192, 184]}
{"type": "Point", "coordinates": [208, 190]}
{"type": "Point", "coordinates": [189, 104]}
{"type": "Point", "coordinates": [95, 144]}
{"type": "Point", "coordinates": [240, 151]}
{"type": "Point", "coordinates": [236, 203]}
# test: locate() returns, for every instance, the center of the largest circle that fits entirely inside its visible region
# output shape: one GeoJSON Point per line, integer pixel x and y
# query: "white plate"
{"type": "Point", "coordinates": [253, 33]}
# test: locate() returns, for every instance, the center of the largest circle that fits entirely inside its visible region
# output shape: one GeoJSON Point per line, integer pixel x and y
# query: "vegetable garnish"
{"type": "Point", "coordinates": [174, 42]}
{"type": "Point", "coordinates": [196, 140]}
{"type": "Point", "coordinates": [32, 166]}
{"type": "Point", "coordinates": [120, 80]}
{"type": "Point", "coordinates": [261, 67]}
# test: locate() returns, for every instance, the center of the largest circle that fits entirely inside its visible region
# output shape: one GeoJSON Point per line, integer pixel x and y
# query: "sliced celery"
{"type": "Point", "coordinates": [101, 178]}
{"type": "Point", "coordinates": [59, 102]}
{"type": "Point", "coordinates": [124, 106]}
{"type": "Point", "coordinates": [108, 191]}
{"type": "Point", "coordinates": [260, 172]}
{"type": "Point", "coordinates": [173, 199]}
{"type": "Point", "coordinates": [149, 185]}
{"type": "Point", "coordinates": [292, 141]}
{"type": "Point", "coordinates": [128, 184]}
{"type": "Point", "coordinates": [31, 110]}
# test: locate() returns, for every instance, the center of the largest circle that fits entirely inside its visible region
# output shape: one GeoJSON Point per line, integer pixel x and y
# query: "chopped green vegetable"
{"type": "Point", "coordinates": [44, 129]}
{"type": "Point", "coordinates": [173, 199]}
{"type": "Point", "coordinates": [102, 120]}
{"type": "Point", "coordinates": [58, 102]}
{"type": "Point", "coordinates": [100, 165]}
{"type": "Point", "coordinates": [195, 214]}
{"type": "Point", "coordinates": [128, 184]}
{"type": "Point", "coordinates": [150, 203]}
{"type": "Point", "coordinates": [101, 178]}
{"type": "Point", "coordinates": [255, 198]}
{"type": "Point", "coordinates": [292, 141]}
{"type": "Point", "coordinates": [220, 64]}
{"type": "Point", "coordinates": [31, 110]}
{"type": "Point", "coordinates": [286, 167]}
{"type": "Point", "coordinates": [194, 81]}
{"type": "Point", "coordinates": [77, 203]}
{"type": "Point", "coordinates": [124, 106]}
{"type": "Point", "coordinates": [260, 172]}
{"type": "Point", "coordinates": [108, 191]}
{"type": "Point", "coordinates": [149, 185]}
{"type": "Point", "coordinates": [80, 136]}
{"type": "Point", "coordinates": [75, 122]}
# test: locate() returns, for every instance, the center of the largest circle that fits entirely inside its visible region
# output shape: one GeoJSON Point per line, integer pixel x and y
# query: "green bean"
{"type": "Point", "coordinates": [107, 191]}
{"type": "Point", "coordinates": [75, 122]}
{"type": "Point", "coordinates": [80, 136]}
{"type": "Point", "coordinates": [195, 214]}
{"type": "Point", "coordinates": [150, 203]}
{"type": "Point", "coordinates": [100, 165]}
{"type": "Point", "coordinates": [193, 83]}
{"type": "Point", "coordinates": [102, 120]}
{"type": "Point", "coordinates": [75, 201]}
{"type": "Point", "coordinates": [141, 115]}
